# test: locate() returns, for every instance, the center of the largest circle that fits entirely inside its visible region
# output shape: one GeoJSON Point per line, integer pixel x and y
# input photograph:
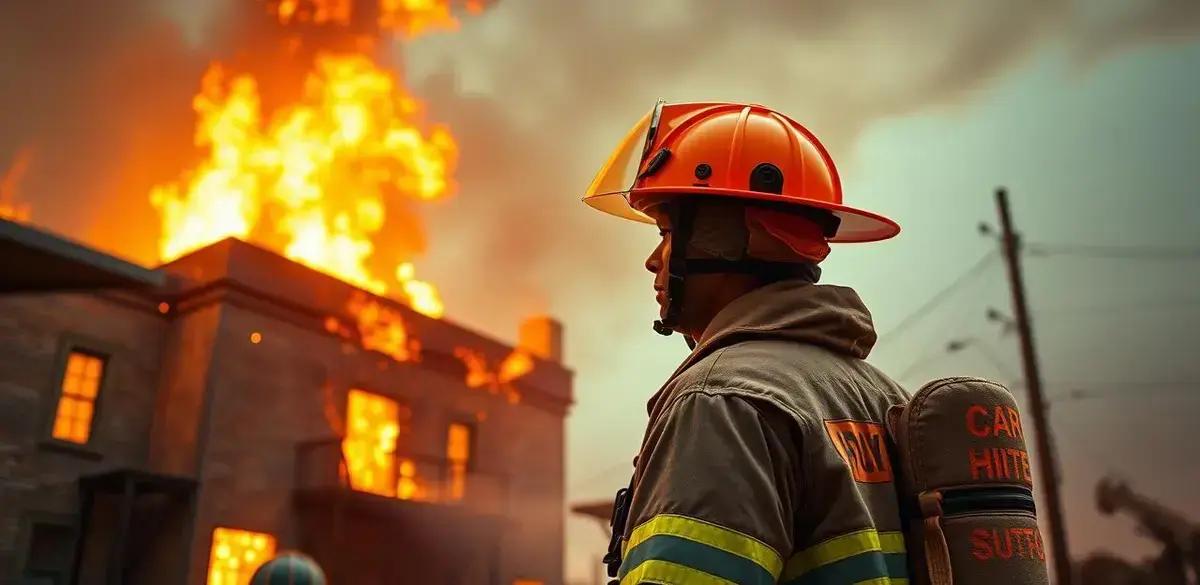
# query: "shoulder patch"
{"type": "Point", "coordinates": [863, 446]}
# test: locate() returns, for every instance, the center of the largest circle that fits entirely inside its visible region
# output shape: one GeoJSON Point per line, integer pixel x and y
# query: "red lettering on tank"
{"type": "Point", "coordinates": [1021, 465]}
{"type": "Point", "coordinates": [973, 414]}
{"type": "Point", "coordinates": [1014, 419]}
{"type": "Point", "coordinates": [981, 461]}
{"type": "Point", "coordinates": [1007, 544]}
{"type": "Point", "coordinates": [1000, 423]}
{"type": "Point", "coordinates": [980, 549]}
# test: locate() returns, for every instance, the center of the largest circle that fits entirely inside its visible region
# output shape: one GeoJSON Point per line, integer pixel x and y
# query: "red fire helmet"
{"type": "Point", "coordinates": [741, 151]}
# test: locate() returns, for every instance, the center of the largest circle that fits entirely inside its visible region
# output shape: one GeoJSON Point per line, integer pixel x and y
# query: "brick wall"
{"type": "Point", "coordinates": [38, 477]}
{"type": "Point", "coordinates": [187, 393]}
{"type": "Point", "coordinates": [291, 387]}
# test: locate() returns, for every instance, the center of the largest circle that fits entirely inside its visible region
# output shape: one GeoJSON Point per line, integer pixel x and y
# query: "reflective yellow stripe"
{"type": "Point", "coordinates": [709, 534]}
{"type": "Point", "coordinates": [655, 571]}
{"type": "Point", "coordinates": [883, 581]}
{"type": "Point", "coordinates": [842, 547]}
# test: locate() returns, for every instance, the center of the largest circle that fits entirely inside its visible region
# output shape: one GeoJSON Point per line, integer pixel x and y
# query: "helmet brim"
{"type": "Point", "coordinates": [857, 225]}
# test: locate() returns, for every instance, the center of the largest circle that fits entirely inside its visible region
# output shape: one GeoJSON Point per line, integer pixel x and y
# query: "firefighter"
{"type": "Point", "coordinates": [290, 567]}
{"type": "Point", "coordinates": [764, 459]}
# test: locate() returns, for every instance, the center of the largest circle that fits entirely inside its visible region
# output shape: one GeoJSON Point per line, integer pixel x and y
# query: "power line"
{"type": "Point", "coordinates": [1157, 390]}
{"type": "Point", "coordinates": [1002, 368]}
{"type": "Point", "coordinates": [1141, 384]}
{"type": "Point", "coordinates": [925, 359]}
{"type": "Point", "coordinates": [1149, 305]}
{"type": "Point", "coordinates": [1077, 383]}
{"type": "Point", "coordinates": [933, 302]}
{"type": "Point", "coordinates": [1113, 252]}
{"type": "Point", "coordinates": [970, 343]}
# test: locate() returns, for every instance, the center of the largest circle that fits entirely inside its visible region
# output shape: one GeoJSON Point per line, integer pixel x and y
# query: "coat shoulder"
{"type": "Point", "coordinates": [796, 377]}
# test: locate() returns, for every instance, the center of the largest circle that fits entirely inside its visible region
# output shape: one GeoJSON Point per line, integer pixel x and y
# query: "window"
{"type": "Point", "coordinates": [407, 487]}
{"type": "Point", "coordinates": [458, 455]}
{"type": "Point", "coordinates": [50, 552]}
{"type": "Point", "coordinates": [236, 554]}
{"type": "Point", "coordinates": [77, 402]}
{"type": "Point", "coordinates": [372, 425]}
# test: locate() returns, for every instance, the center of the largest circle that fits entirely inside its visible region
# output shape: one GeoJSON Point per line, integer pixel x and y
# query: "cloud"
{"type": "Point", "coordinates": [538, 91]}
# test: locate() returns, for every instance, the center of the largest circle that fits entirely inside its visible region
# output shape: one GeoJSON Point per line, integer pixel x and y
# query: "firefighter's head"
{"type": "Point", "coordinates": [750, 194]}
{"type": "Point", "coordinates": [728, 249]}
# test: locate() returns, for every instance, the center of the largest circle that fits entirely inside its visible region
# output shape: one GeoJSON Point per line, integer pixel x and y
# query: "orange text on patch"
{"type": "Point", "coordinates": [863, 445]}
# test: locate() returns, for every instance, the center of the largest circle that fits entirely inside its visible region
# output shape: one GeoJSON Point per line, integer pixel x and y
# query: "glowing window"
{"type": "Point", "coordinates": [458, 454]}
{"type": "Point", "coordinates": [526, 582]}
{"type": "Point", "coordinates": [236, 554]}
{"type": "Point", "coordinates": [372, 425]}
{"type": "Point", "coordinates": [407, 487]}
{"type": "Point", "coordinates": [77, 404]}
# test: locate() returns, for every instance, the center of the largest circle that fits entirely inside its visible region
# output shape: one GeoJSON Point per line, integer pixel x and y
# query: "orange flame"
{"type": "Point", "coordinates": [403, 17]}
{"type": "Point", "coordinates": [372, 427]}
{"type": "Point", "coordinates": [236, 554]}
{"type": "Point", "coordinates": [381, 329]}
{"type": "Point", "coordinates": [517, 364]}
{"type": "Point", "coordinates": [480, 374]}
{"type": "Point", "coordinates": [10, 184]}
{"type": "Point", "coordinates": [316, 179]}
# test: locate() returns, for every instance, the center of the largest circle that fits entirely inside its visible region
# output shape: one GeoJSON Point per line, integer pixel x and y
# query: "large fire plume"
{"type": "Point", "coordinates": [319, 178]}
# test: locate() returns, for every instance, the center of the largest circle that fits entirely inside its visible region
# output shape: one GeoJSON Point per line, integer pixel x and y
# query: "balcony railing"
{"type": "Point", "coordinates": [322, 465]}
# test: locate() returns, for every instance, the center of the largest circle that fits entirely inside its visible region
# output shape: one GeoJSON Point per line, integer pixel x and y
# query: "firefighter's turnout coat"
{"type": "Point", "coordinates": [765, 459]}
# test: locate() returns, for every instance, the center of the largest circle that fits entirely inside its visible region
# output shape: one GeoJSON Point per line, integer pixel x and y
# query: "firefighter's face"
{"type": "Point", "coordinates": [658, 261]}
{"type": "Point", "coordinates": [704, 294]}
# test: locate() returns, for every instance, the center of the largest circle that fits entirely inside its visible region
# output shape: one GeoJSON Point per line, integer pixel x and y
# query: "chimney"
{"type": "Point", "coordinates": [542, 336]}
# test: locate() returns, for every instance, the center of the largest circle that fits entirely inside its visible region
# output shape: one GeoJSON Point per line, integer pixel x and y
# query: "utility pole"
{"type": "Point", "coordinates": [1033, 381]}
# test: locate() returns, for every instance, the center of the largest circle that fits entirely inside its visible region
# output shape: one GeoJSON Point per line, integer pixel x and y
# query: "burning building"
{"type": "Point", "coordinates": [182, 424]}
{"type": "Point", "coordinates": [282, 380]}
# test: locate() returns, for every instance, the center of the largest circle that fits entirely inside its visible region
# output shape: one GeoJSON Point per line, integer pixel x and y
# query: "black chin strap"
{"type": "Point", "coordinates": [680, 217]}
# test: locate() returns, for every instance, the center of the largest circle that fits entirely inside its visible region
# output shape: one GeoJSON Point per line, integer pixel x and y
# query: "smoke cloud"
{"type": "Point", "coordinates": [535, 91]}
{"type": "Point", "coordinates": [538, 92]}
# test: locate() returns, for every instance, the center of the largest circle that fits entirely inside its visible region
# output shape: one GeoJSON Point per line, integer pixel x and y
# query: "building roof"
{"type": "Point", "coordinates": [600, 510]}
{"type": "Point", "coordinates": [32, 260]}
{"type": "Point", "coordinates": [266, 280]}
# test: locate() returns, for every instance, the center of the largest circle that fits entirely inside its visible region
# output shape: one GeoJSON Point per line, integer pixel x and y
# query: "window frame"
{"type": "Point", "coordinates": [24, 541]}
{"type": "Point", "coordinates": [68, 344]}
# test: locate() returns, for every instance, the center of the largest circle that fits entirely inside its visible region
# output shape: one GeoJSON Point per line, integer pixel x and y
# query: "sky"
{"type": "Point", "coordinates": [1087, 112]}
